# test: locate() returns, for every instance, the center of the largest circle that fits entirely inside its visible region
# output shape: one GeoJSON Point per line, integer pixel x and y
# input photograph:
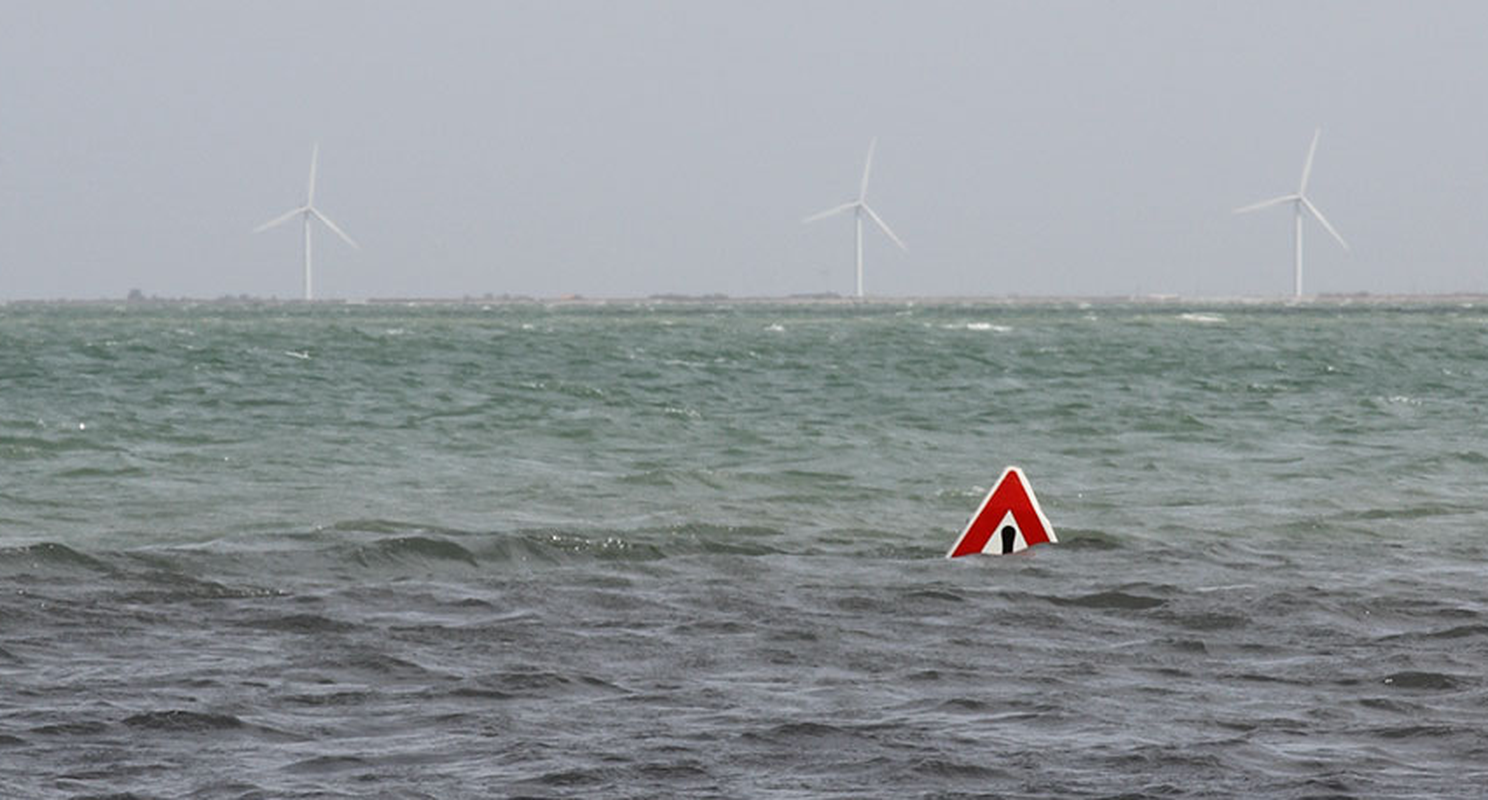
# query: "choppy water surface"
{"type": "Point", "coordinates": [696, 551]}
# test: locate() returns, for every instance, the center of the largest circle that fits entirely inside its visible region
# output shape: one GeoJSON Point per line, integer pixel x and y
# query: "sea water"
{"type": "Point", "coordinates": [668, 550]}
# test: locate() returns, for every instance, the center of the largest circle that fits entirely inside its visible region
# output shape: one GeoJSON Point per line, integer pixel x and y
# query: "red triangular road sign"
{"type": "Point", "coordinates": [1008, 520]}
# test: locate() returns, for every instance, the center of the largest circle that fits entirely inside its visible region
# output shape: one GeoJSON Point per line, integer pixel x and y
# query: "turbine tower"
{"type": "Point", "coordinates": [1299, 202]}
{"type": "Point", "coordinates": [307, 212]}
{"type": "Point", "coordinates": [859, 207]}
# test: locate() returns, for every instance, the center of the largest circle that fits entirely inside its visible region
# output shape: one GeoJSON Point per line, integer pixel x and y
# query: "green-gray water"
{"type": "Point", "coordinates": [637, 550]}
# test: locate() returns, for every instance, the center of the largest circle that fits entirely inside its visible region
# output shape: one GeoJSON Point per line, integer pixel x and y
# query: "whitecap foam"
{"type": "Point", "coordinates": [980, 326]}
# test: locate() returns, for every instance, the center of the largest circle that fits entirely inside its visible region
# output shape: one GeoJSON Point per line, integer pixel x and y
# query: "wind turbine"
{"type": "Point", "coordinates": [307, 212]}
{"type": "Point", "coordinates": [859, 207]}
{"type": "Point", "coordinates": [1299, 202]}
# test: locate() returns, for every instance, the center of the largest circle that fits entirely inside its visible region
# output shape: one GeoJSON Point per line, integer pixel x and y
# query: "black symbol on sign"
{"type": "Point", "coordinates": [1008, 533]}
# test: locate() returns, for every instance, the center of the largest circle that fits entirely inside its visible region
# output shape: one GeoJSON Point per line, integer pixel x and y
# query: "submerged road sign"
{"type": "Point", "coordinates": [1009, 520]}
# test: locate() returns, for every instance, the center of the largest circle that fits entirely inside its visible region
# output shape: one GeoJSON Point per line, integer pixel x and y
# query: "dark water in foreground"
{"type": "Point", "coordinates": [697, 552]}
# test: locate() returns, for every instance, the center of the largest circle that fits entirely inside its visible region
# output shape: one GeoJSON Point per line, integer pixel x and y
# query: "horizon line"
{"type": "Point", "coordinates": [135, 298]}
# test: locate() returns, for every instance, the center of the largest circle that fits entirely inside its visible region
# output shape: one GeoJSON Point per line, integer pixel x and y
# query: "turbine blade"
{"type": "Point", "coordinates": [327, 220]}
{"type": "Point", "coordinates": [1312, 209]}
{"type": "Point", "coordinates": [1307, 166]}
{"type": "Point", "coordinates": [280, 220]}
{"type": "Point", "coordinates": [867, 166]}
{"type": "Point", "coordinates": [1275, 201]}
{"type": "Point", "coordinates": [831, 211]}
{"type": "Point", "coordinates": [884, 226]}
{"type": "Point", "coordinates": [310, 192]}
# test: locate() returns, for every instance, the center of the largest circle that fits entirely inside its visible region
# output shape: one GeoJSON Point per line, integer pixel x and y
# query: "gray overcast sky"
{"type": "Point", "coordinates": [632, 148]}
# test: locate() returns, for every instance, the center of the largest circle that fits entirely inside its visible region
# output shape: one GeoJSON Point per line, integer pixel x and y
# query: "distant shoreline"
{"type": "Point", "coordinates": [1360, 299]}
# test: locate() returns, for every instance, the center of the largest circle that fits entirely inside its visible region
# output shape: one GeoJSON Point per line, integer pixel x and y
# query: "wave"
{"type": "Point", "coordinates": [534, 682]}
{"type": "Point", "coordinates": [1203, 319]}
{"type": "Point", "coordinates": [258, 565]}
{"type": "Point", "coordinates": [1076, 539]}
{"type": "Point", "coordinates": [1455, 632]}
{"type": "Point", "coordinates": [48, 557]}
{"type": "Point", "coordinates": [72, 438]}
{"type": "Point", "coordinates": [181, 720]}
{"type": "Point", "coordinates": [1429, 681]}
{"type": "Point", "coordinates": [308, 624]}
{"type": "Point", "coordinates": [1113, 599]}
{"type": "Point", "coordinates": [412, 549]}
{"type": "Point", "coordinates": [328, 764]}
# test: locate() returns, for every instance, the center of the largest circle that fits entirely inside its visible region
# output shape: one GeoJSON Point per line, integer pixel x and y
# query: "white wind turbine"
{"type": "Point", "coordinates": [1299, 202]}
{"type": "Point", "coordinates": [307, 212]}
{"type": "Point", "coordinates": [859, 207]}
